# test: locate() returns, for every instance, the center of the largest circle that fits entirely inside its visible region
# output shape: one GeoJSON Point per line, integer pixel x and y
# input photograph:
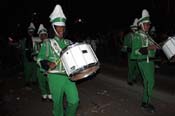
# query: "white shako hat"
{"type": "Point", "coordinates": [134, 25]}
{"type": "Point", "coordinates": [42, 29]}
{"type": "Point", "coordinates": [153, 29]}
{"type": "Point", "coordinates": [57, 17]}
{"type": "Point", "coordinates": [145, 17]}
{"type": "Point", "coordinates": [31, 27]}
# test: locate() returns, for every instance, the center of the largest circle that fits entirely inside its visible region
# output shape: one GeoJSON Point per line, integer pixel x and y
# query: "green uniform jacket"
{"type": "Point", "coordinates": [26, 50]}
{"type": "Point", "coordinates": [47, 52]}
{"type": "Point", "coordinates": [140, 40]}
{"type": "Point", "coordinates": [128, 42]}
{"type": "Point", "coordinates": [36, 48]}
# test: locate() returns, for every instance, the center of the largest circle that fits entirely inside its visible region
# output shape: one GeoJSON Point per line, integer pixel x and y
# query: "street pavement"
{"type": "Point", "coordinates": [104, 94]}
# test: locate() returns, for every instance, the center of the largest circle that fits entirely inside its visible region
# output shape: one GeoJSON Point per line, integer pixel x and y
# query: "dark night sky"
{"type": "Point", "coordinates": [96, 14]}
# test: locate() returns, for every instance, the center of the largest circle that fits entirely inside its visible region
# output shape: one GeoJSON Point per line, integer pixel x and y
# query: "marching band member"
{"type": "Point", "coordinates": [49, 59]}
{"type": "Point", "coordinates": [27, 50]}
{"type": "Point", "coordinates": [132, 64]}
{"type": "Point", "coordinates": [143, 51]}
{"type": "Point", "coordinates": [42, 78]}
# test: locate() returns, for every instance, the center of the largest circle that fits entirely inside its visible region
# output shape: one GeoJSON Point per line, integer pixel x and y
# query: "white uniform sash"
{"type": "Point", "coordinates": [55, 46]}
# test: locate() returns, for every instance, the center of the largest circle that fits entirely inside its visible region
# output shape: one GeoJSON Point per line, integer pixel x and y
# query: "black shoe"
{"type": "Point", "coordinates": [43, 99]}
{"type": "Point", "coordinates": [50, 100]}
{"type": "Point", "coordinates": [28, 86]}
{"type": "Point", "coordinates": [135, 81]}
{"type": "Point", "coordinates": [34, 83]}
{"type": "Point", "coordinates": [130, 83]}
{"type": "Point", "coordinates": [148, 107]}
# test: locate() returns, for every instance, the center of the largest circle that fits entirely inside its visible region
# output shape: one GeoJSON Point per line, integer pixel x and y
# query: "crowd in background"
{"type": "Point", "coordinates": [107, 45]}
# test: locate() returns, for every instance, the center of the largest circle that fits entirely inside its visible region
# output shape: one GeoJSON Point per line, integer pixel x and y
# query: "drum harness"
{"type": "Point", "coordinates": [148, 40]}
{"type": "Point", "coordinates": [55, 46]}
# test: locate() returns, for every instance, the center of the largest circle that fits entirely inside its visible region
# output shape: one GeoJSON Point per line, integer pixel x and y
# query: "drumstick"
{"type": "Point", "coordinates": [155, 43]}
{"type": "Point", "coordinates": [57, 62]}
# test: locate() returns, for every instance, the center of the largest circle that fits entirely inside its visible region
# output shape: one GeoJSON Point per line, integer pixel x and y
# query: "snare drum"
{"type": "Point", "coordinates": [169, 48]}
{"type": "Point", "coordinates": [79, 61]}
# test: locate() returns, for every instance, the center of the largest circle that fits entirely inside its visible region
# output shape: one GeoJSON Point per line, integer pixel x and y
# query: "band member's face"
{"type": "Point", "coordinates": [60, 31]}
{"type": "Point", "coordinates": [146, 27]}
{"type": "Point", "coordinates": [30, 33]}
{"type": "Point", "coordinates": [43, 36]}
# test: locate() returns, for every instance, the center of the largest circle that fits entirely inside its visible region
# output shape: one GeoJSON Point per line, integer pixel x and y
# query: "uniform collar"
{"type": "Point", "coordinates": [58, 39]}
{"type": "Point", "coordinates": [143, 32]}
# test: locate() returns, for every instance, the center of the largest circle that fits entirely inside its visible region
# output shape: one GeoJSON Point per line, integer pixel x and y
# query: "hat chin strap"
{"type": "Point", "coordinates": [55, 30]}
{"type": "Point", "coordinates": [142, 27]}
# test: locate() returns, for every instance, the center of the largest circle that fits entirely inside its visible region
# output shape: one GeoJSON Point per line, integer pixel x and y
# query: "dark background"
{"type": "Point", "coordinates": [107, 13]}
{"type": "Point", "coordinates": [96, 14]}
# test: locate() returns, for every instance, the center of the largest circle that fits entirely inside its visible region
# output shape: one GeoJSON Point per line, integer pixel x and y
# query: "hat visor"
{"type": "Point", "coordinates": [146, 21]}
{"type": "Point", "coordinates": [59, 24]}
{"type": "Point", "coordinates": [42, 33]}
{"type": "Point", "coordinates": [31, 30]}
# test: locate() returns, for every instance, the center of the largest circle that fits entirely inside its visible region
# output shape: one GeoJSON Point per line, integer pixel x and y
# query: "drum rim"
{"type": "Point", "coordinates": [82, 75]}
{"type": "Point", "coordinates": [85, 67]}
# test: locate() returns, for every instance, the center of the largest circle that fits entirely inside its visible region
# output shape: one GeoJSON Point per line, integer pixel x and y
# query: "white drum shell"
{"type": "Point", "coordinates": [78, 57]}
{"type": "Point", "coordinates": [169, 48]}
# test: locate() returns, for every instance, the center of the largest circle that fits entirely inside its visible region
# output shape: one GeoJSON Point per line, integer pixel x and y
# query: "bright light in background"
{"type": "Point", "coordinates": [79, 20]}
{"type": "Point", "coordinates": [10, 39]}
{"type": "Point", "coordinates": [18, 25]}
{"type": "Point", "coordinates": [34, 13]}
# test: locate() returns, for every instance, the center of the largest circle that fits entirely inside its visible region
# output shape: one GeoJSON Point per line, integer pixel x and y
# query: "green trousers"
{"type": "Point", "coordinates": [60, 85]}
{"type": "Point", "coordinates": [43, 82]}
{"type": "Point", "coordinates": [30, 71]}
{"type": "Point", "coordinates": [133, 70]}
{"type": "Point", "coordinates": [148, 74]}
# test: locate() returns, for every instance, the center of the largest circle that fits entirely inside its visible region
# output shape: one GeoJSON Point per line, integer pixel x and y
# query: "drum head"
{"type": "Point", "coordinates": [69, 47]}
{"type": "Point", "coordinates": [168, 48]}
{"type": "Point", "coordinates": [85, 73]}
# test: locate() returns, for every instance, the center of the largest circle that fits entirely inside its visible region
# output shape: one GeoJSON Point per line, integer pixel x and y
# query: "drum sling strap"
{"type": "Point", "coordinates": [55, 46]}
{"type": "Point", "coordinates": [57, 49]}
